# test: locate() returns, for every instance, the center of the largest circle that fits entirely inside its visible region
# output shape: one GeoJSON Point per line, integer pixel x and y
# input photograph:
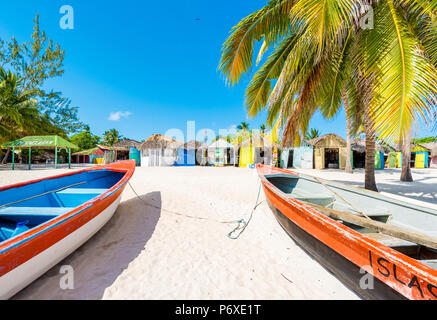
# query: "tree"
{"type": "Point", "coordinates": [35, 62]}
{"type": "Point", "coordinates": [321, 55]}
{"type": "Point", "coordinates": [424, 140]}
{"type": "Point", "coordinates": [348, 168]}
{"type": "Point", "coordinates": [111, 137]}
{"type": "Point", "coordinates": [18, 112]}
{"type": "Point", "coordinates": [312, 134]}
{"type": "Point", "coordinates": [406, 175]}
{"type": "Point", "coordinates": [62, 114]}
{"type": "Point", "coordinates": [262, 128]}
{"type": "Point", "coordinates": [243, 126]}
{"type": "Point", "coordinates": [85, 140]}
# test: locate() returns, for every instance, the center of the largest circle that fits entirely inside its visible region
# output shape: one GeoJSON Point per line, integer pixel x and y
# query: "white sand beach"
{"type": "Point", "coordinates": [147, 253]}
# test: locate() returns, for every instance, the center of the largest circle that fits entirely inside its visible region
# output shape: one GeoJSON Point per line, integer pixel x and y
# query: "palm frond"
{"type": "Point", "coordinates": [271, 23]}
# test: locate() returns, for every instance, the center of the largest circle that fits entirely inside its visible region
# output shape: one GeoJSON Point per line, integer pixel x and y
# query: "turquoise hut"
{"type": "Point", "coordinates": [301, 157]}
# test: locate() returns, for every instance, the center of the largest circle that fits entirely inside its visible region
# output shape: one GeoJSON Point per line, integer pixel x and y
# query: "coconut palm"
{"type": "Point", "coordinates": [321, 57]}
{"type": "Point", "coordinates": [243, 126]}
{"type": "Point", "coordinates": [19, 115]}
{"type": "Point", "coordinates": [263, 129]}
{"type": "Point", "coordinates": [312, 134]}
{"type": "Point", "coordinates": [111, 137]}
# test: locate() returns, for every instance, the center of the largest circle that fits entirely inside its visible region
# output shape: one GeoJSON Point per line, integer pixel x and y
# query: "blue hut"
{"type": "Point", "coordinates": [186, 154]}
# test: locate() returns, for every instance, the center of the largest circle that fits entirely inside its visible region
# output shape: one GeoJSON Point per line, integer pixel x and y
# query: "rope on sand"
{"type": "Point", "coordinates": [241, 224]}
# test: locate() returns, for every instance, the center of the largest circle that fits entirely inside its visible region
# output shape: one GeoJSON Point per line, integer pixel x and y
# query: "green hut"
{"type": "Point", "coordinates": [41, 142]}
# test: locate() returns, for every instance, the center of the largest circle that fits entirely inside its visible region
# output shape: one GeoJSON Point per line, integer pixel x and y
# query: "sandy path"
{"type": "Point", "coordinates": [147, 253]}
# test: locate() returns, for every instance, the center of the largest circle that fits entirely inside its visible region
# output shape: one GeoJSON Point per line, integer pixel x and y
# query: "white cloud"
{"type": "Point", "coordinates": [116, 116]}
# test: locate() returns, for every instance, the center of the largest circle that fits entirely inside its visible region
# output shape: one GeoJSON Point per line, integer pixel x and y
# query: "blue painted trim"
{"type": "Point", "coordinates": [45, 230]}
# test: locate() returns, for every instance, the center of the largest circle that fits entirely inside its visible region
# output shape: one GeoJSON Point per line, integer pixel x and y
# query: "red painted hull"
{"type": "Point", "coordinates": [21, 249]}
{"type": "Point", "coordinates": [402, 274]}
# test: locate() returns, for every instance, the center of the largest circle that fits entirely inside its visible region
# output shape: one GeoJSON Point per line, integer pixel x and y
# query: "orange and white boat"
{"type": "Point", "coordinates": [355, 232]}
{"type": "Point", "coordinates": [43, 221]}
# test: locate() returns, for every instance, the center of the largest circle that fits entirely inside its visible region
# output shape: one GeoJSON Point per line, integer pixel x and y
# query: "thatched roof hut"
{"type": "Point", "coordinates": [158, 141]}
{"type": "Point", "coordinates": [127, 143]}
{"type": "Point", "coordinates": [331, 139]}
{"type": "Point", "coordinates": [159, 150]}
{"type": "Point", "coordinates": [359, 145]}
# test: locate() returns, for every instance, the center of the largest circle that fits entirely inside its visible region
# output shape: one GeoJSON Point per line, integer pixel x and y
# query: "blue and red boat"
{"type": "Point", "coordinates": [43, 221]}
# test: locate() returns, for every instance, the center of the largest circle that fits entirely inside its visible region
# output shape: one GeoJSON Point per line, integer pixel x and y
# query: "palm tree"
{"type": "Point", "coordinates": [348, 168]}
{"type": "Point", "coordinates": [111, 137]}
{"type": "Point", "coordinates": [312, 134]}
{"type": "Point", "coordinates": [406, 175]}
{"type": "Point", "coordinates": [19, 115]}
{"type": "Point", "coordinates": [321, 57]}
{"type": "Point", "coordinates": [243, 126]}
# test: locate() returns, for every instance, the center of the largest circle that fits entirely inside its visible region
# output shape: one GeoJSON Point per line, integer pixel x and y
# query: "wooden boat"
{"type": "Point", "coordinates": [43, 221]}
{"type": "Point", "coordinates": [355, 232]}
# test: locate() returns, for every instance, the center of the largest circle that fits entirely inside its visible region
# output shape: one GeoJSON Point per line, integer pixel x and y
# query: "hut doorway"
{"type": "Point", "coordinates": [332, 158]}
{"type": "Point", "coordinates": [290, 159]}
{"type": "Point", "coordinates": [359, 160]}
{"type": "Point", "coordinates": [413, 160]}
{"type": "Point", "coordinates": [154, 156]}
{"type": "Point", "coordinates": [229, 156]}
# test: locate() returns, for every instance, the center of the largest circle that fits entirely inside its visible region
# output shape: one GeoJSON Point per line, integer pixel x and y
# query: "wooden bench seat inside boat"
{"type": "Point", "coordinates": [73, 197]}
{"type": "Point", "coordinates": [49, 211]}
{"type": "Point", "coordinates": [83, 191]}
{"type": "Point", "coordinates": [39, 210]}
{"type": "Point", "coordinates": [389, 241]}
{"type": "Point", "coordinates": [379, 214]}
{"type": "Point", "coordinates": [33, 215]}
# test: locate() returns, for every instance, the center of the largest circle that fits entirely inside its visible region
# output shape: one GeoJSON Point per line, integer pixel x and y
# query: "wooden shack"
{"type": "Point", "coordinates": [329, 152]}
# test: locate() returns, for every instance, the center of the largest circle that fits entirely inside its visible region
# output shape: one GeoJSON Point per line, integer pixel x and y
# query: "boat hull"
{"type": "Point", "coordinates": [20, 277]}
{"type": "Point", "coordinates": [26, 257]}
{"type": "Point", "coordinates": [341, 267]}
{"type": "Point", "coordinates": [346, 252]}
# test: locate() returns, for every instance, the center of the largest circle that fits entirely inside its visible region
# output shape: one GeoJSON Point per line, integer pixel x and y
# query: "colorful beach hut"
{"type": "Point", "coordinates": [221, 153]}
{"type": "Point", "coordinates": [298, 157]}
{"type": "Point", "coordinates": [187, 154]}
{"type": "Point", "coordinates": [329, 152]}
{"type": "Point", "coordinates": [257, 149]}
{"type": "Point", "coordinates": [420, 155]}
{"type": "Point", "coordinates": [91, 156]}
{"type": "Point", "coordinates": [159, 151]}
{"type": "Point", "coordinates": [41, 142]}
{"type": "Point", "coordinates": [358, 156]}
{"type": "Point", "coordinates": [130, 149]}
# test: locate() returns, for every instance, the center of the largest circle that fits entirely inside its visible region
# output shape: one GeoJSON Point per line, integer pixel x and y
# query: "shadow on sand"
{"type": "Point", "coordinates": [101, 260]}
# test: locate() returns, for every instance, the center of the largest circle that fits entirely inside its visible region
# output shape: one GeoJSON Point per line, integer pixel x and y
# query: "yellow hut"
{"type": "Point", "coordinates": [329, 151]}
{"type": "Point", "coordinates": [256, 149]}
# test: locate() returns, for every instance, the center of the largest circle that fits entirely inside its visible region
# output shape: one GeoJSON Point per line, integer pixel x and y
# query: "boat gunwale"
{"type": "Point", "coordinates": [407, 263]}
{"type": "Point", "coordinates": [84, 207]}
{"type": "Point", "coordinates": [360, 191]}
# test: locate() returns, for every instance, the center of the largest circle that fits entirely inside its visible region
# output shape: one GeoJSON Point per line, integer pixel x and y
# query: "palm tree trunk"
{"type": "Point", "coordinates": [369, 179]}
{"type": "Point", "coordinates": [406, 159]}
{"type": "Point", "coordinates": [5, 158]}
{"type": "Point", "coordinates": [348, 168]}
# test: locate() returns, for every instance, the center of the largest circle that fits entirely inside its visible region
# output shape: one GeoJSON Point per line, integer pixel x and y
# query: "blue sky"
{"type": "Point", "coordinates": [149, 63]}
